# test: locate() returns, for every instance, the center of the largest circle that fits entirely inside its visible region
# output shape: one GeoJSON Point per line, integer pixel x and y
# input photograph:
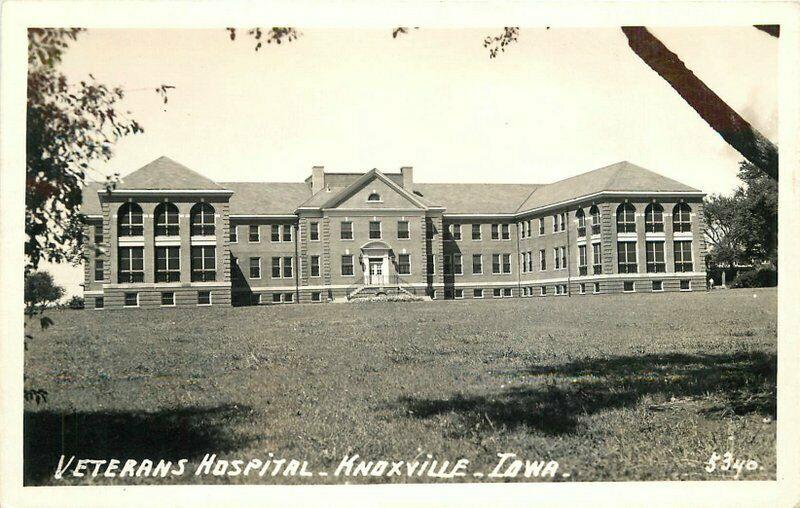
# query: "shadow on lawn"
{"type": "Point", "coordinates": [739, 384]}
{"type": "Point", "coordinates": [170, 435]}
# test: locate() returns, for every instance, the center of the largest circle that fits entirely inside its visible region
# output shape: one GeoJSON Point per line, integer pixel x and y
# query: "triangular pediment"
{"type": "Point", "coordinates": [361, 195]}
{"type": "Point", "coordinates": [166, 174]}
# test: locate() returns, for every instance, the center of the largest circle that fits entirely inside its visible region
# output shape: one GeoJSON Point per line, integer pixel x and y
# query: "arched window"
{"type": "Point", "coordinates": [595, 213]}
{"type": "Point", "coordinates": [166, 223]}
{"type": "Point", "coordinates": [201, 220]}
{"type": "Point", "coordinates": [682, 218]}
{"type": "Point", "coordinates": [130, 220]}
{"type": "Point", "coordinates": [374, 197]}
{"type": "Point", "coordinates": [654, 218]}
{"type": "Point", "coordinates": [581, 218]}
{"type": "Point", "coordinates": [626, 218]}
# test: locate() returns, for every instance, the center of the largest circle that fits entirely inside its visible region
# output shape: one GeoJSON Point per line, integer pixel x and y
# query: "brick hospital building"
{"type": "Point", "coordinates": [168, 236]}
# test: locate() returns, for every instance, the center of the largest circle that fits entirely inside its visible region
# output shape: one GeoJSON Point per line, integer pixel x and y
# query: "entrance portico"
{"type": "Point", "coordinates": [375, 264]}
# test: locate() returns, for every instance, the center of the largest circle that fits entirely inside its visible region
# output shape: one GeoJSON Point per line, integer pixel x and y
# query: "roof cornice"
{"type": "Point", "coordinates": [601, 194]}
{"type": "Point", "coordinates": [161, 192]}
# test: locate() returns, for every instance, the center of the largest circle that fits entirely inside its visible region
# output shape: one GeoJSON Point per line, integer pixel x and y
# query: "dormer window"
{"type": "Point", "coordinates": [374, 197]}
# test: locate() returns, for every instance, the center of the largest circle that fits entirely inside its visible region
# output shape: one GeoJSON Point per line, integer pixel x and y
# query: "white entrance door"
{"type": "Point", "coordinates": [376, 271]}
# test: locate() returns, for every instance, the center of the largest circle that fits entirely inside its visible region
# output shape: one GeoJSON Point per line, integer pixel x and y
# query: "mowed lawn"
{"type": "Point", "coordinates": [625, 387]}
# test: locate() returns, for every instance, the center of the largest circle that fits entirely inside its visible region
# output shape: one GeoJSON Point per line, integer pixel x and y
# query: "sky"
{"type": "Point", "coordinates": [557, 103]}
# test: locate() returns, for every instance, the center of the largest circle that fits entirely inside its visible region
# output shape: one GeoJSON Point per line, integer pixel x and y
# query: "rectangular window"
{"type": "Point", "coordinates": [476, 231]}
{"type": "Point", "coordinates": [98, 270]}
{"type": "Point", "coordinates": [255, 268]}
{"type": "Point", "coordinates": [287, 233]}
{"type": "Point", "coordinates": [288, 297]}
{"type": "Point", "coordinates": [374, 230]}
{"type": "Point", "coordinates": [288, 267]}
{"type": "Point", "coordinates": [315, 266]}
{"type": "Point", "coordinates": [168, 264]}
{"type": "Point", "coordinates": [168, 299]}
{"type": "Point", "coordinates": [597, 259]}
{"type": "Point", "coordinates": [316, 296]}
{"type": "Point", "coordinates": [347, 264]}
{"type": "Point", "coordinates": [542, 260]}
{"type": "Point", "coordinates": [495, 231]}
{"type": "Point", "coordinates": [541, 225]}
{"type": "Point", "coordinates": [596, 288]}
{"type": "Point", "coordinates": [506, 263]}
{"type": "Point", "coordinates": [99, 238]}
{"type": "Point", "coordinates": [254, 233]}
{"type": "Point", "coordinates": [507, 292]}
{"type": "Point", "coordinates": [454, 231]}
{"type": "Point", "coordinates": [99, 303]}
{"type": "Point", "coordinates": [658, 285]}
{"type": "Point", "coordinates": [497, 293]}
{"type": "Point", "coordinates": [346, 230]}
{"type": "Point", "coordinates": [430, 230]}
{"type": "Point", "coordinates": [686, 285]}
{"type": "Point", "coordinates": [276, 268]}
{"type": "Point", "coordinates": [530, 261]}
{"type": "Point", "coordinates": [495, 263]}
{"type": "Point", "coordinates": [275, 233]}
{"type": "Point", "coordinates": [506, 231]}
{"type": "Point", "coordinates": [563, 252]}
{"type": "Point", "coordinates": [404, 264]}
{"type": "Point", "coordinates": [555, 223]}
{"type": "Point", "coordinates": [255, 299]}
{"type": "Point", "coordinates": [582, 288]}
{"type": "Point", "coordinates": [477, 293]}
{"type": "Point", "coordinates": [556, 259]}
{"type": "Point", "coordinates": [458, 269]}
{"type": "Point", "coordinates": [402, 230]}
{"type": "Point", "coordinates": [626, 257]}
{"type": "Point", "coordinates": [204, 298]}
{"type": "Point", "coordinates": [477, 263]}
{"type": "Point", "coordinates": [563, 224]}
{"type": "Point", "coordinates": [683, 256]}
{"type": "Point", "coordinates": [431, 264]}
{"type": "Point", "coordinates": [313, 231]}
{"type": "Point", "coordinates": [543, 291]}
{"type": "Point", "coordinates": [628, 286]}
{"type": "Point", "coordinates": [276, 298]}
{"type": "Point", "coordinates": [131, 264]}
{"type": "Point", "coordinates": [523, 262]}
{"type": "Point", "coordinates": [459, 293]}
{"type": "Point", "coordinates": [204, 263]}
{"type": "Point", "coordinates": [583, 269]}
{"type": "Point", "coordinates": [528, 227]}
{"type": "Point", "coordinates": [131, 300]}
{"type": "Point", "coordinates": [655, 257]}
{"type": "Point", "coordinates": [521, 230]}
{"type": "Point", "coordinates": [233, 236]}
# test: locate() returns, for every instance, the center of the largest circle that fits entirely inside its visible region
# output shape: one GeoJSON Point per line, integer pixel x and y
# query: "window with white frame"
{"type": "Point", "coordinates": [682, 218]}
{"type": "Point", "coordinates": [131, 300]}
{"type": "Point", "coordinates": [543, 291]}
{"type": "Point", "coordinates": [457, 267]}
{"type": "Point", "coordinates": [168, 264]}
{"type": "Point", "coordinates": [686, 285]}
{"type": "Point", "coordinates": [563, 252]}
{"type": "Point", "coordinates": [594, 212]}
{"type": "Point", "coordinates": [555, 223]}
{"type": "Point", "coordinates": [201, 220]}
{"type": "Point", "coordinates": [99, 302]}
{"type": "Point", "coordinates": [477, 293]}
{"type": "Point", "coordinates": [203, 263]}
{"type": "Point", "coordinates": [459, 293]}
{"type": "Point", "coordinates": [204, 298]}
{"type": "Point", "coordinates": [313, 231]}
{"type": "Point", "coordinates": [626, 218]}
{"type": "Point", "coordinates": [287, 233]}
{"type": "Point", "coordinates": [556, 259]}
{"type": "Point", "coordinates": [505, 231]}
{"type": "Point", "coordinates": [276, 267]}
{"type": "Point", "coordinates": [563, 223]}
{"type": "Point", "coordinates": [683, 255]}
{"type": "Point", "coordinates": [654, 253]}
{"type": "Point", "coordinates": [233, 234]}
{"type": "Point", "coordinates": [99, 237]}
{"type": "Point", "coordinates": [254, 233]}
{"type": "Point", "coordinates": [597, 259]}
{"type": "Point", "coordinates": [497, 293]}
{"type": "Point", "coordinates": [596, 288]}
{"type": "Point", "coordinates": [315, 266]}
{"type": "Point", "coordinates": [288, 267]}
{"type": "Point", "coordinates": [658, 285]}
{"type": "Point", "coordinates": [582, 288]}
{"type": "Point", "coordinates": [495, 231]}
{"type": "Point", "coordinates": [98, 270]}
{"type": "Point", "coordinates": [477, 263]}
{"type": "Point", "coordinates": [275, 233]}
{"type": "Point", "coordinates": [508, 292]}
{"type": "Point", "coordinates": [626, 257]}
{"type": "Point", "coordinates": [255, 268]}
{"type": "Point", "coordinates": [496, 266]}
{"type": "Point", "coordinates": [541, 226]}
{"type": "Point", "coordinates": [166, 220]}
{"type": "Point", "coordinates": [455, 231]}
{"type": "Point", "coordinates": [580, 218]}
{"type": "Point", "coordinates": [402, 230]}
{"type": "Point", "coordinates": [506, 258]}
{"type": "Point", "coordinates": [628, 286]}
{"type": "Point", "coordinates": [346, 229]}
{"type": "Point", "coordinates": [654, 218]}
{"type": "Point", "coordinates": [130, 220]}
{"type": "Point", "coordinates": [583, 268]}
{"type": "Point", "coordinates": [347, 264]}
{"type": "Point", "coordinates": [404, 264]}
{"type": "Point", "coordinates": [542, 260]}
{"type": "Point", "coordinates": [130, 264]}
{"type": "Point", "coordinates": [476, 231]}
{"type": "Point", "coordinates": [374, 230]}
{"type": "Point", "coordinates": [168, 299]}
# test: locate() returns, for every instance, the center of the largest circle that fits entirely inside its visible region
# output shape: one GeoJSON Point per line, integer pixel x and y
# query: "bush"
{"type": "Point", "coordinates": [76, 302]}
{"type": "Point", "coordinates": [761, 278]}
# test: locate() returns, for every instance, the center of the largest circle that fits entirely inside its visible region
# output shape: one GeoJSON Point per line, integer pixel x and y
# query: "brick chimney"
{"type": "Point", "coordinates": [408, 178]}
{"type": "Point", "coordinates": [317, 179]}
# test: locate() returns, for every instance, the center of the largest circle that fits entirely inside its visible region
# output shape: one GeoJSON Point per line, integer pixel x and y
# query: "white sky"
{"type": "Point", "coordinates": [559, 102]}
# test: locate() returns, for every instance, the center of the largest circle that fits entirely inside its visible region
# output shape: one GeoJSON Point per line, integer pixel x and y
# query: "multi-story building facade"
{"type": "Point", "coordinates": [167, 236]}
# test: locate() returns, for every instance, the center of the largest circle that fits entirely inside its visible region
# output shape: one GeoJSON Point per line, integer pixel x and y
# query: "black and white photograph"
{"type": "Point", "coordinates": [368, 255]}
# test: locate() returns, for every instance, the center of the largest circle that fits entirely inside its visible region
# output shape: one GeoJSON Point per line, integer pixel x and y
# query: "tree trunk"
{"type": "Point", "coordinates": [722, 118]}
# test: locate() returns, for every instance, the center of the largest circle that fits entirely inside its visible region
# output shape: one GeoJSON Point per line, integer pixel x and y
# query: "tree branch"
{"type": "Point", "coordinates": [734, 129]}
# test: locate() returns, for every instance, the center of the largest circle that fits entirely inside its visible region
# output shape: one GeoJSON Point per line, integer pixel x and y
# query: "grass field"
{"type": "Point", "coordinates": [642, 387]}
